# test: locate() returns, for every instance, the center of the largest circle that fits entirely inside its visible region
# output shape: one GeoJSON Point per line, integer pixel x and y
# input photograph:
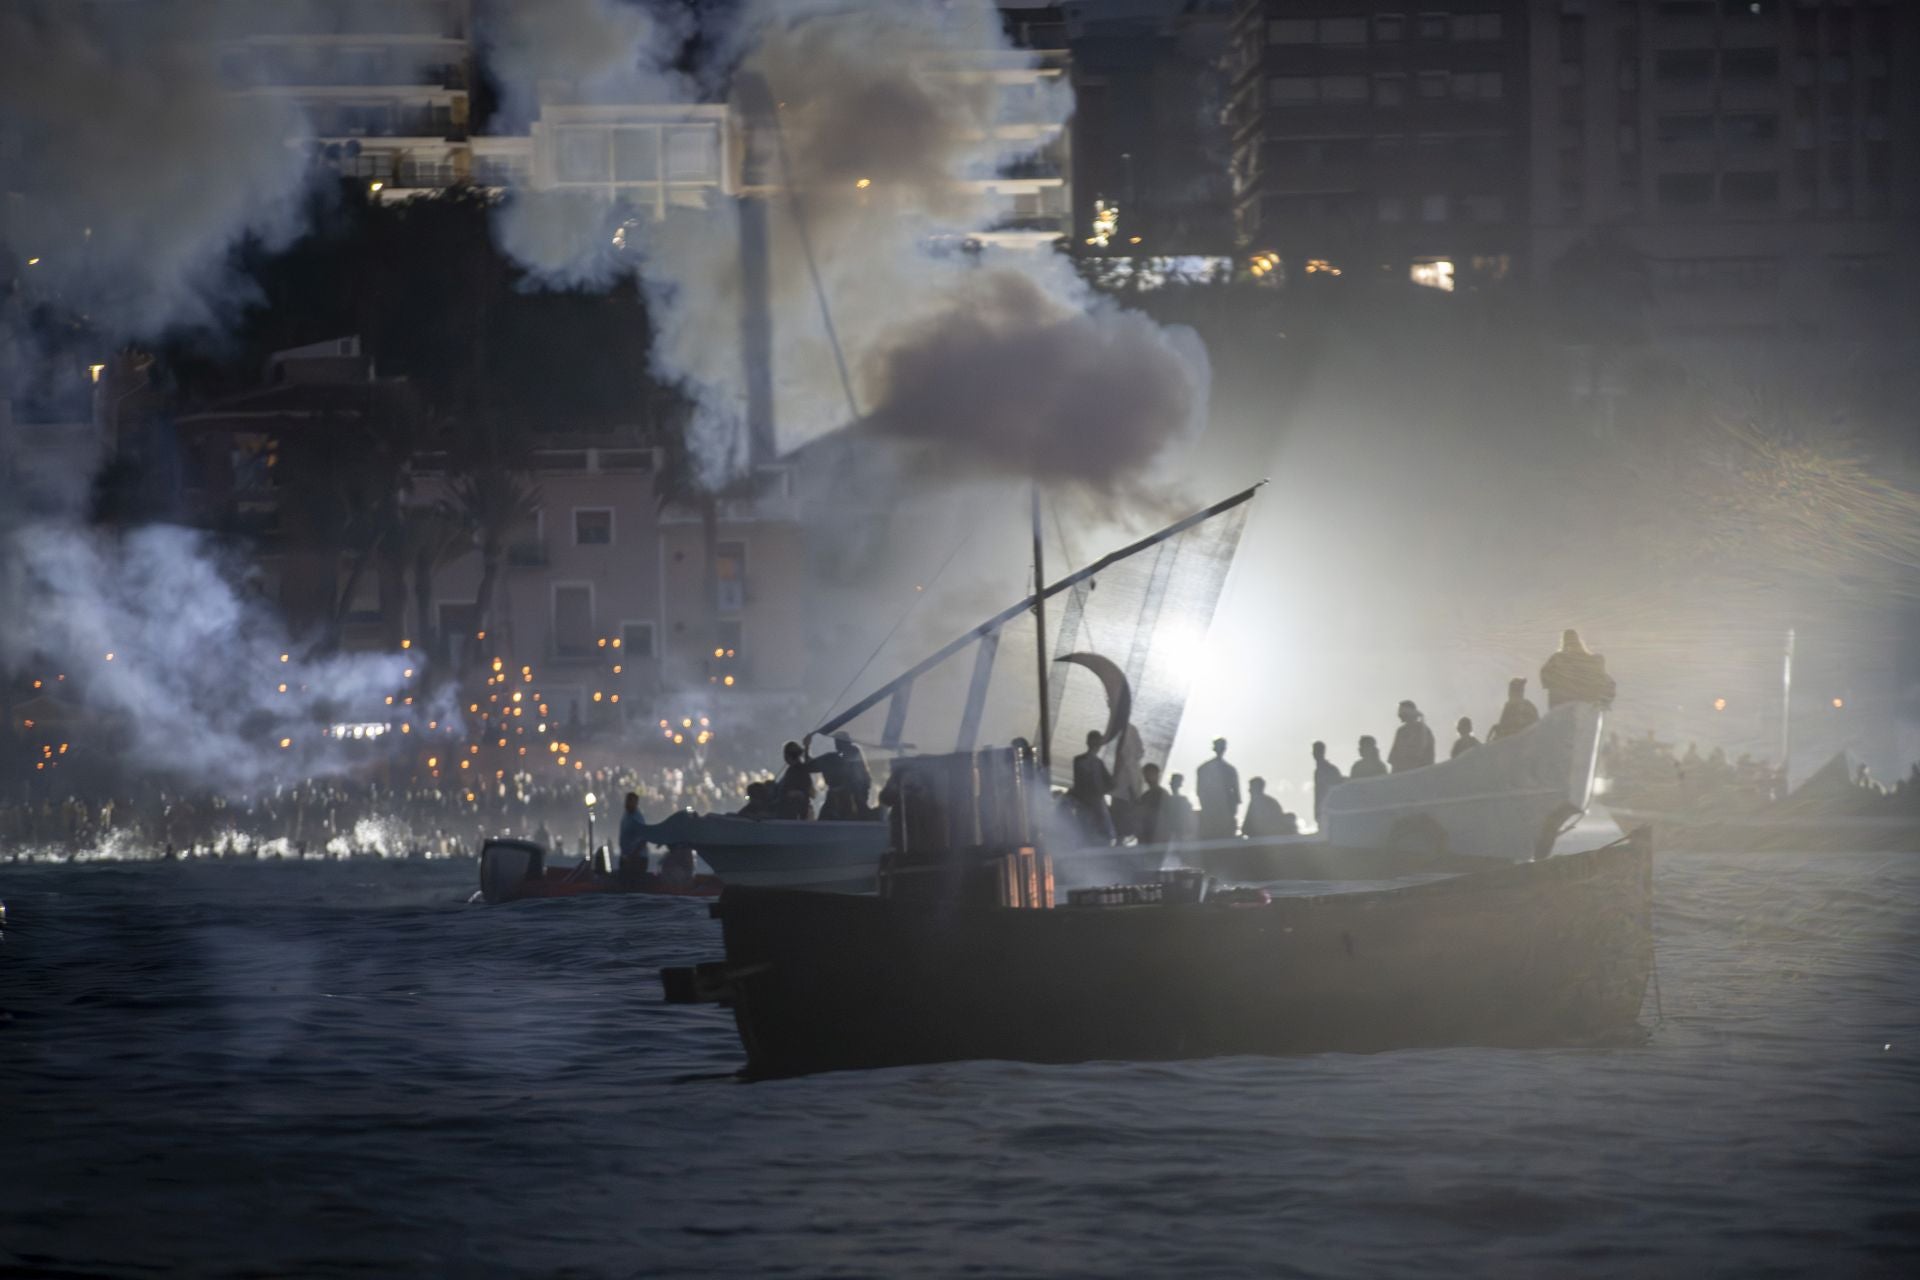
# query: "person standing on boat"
{"type": "Point", "coordinates": [633, 838]}
{"type": "Point", "coordinates": [1092, 784]}
{"type": "Point", "coordinates": [1369, 765]}
{"type": "Point", "coordinates": [1266, 816]}
{"type": "Point", "coordinates": [849, 784]}
{"type": "Point", "coordinates": [796, 784]}
{"type": "Point", "coordinates": [1150, 809]}
{"type": "Point", "coordinates": [1176, 812]}
{"type": "Point", "coordinates": [1217, 785]}
{"type": "Point", "coordinates": [1326, 776]}
{"type": "Point", "coordinates": [1466, 741]}
{"type": "Point", "coordinates": [1576, 674]}
{"type": "Point", "coordinates": [1518, 714]}
{"type": "Point", "coordinates": [1413, 742]}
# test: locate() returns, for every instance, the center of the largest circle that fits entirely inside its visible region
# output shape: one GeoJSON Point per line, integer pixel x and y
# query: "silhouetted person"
{"type": "Point", "coordinates": [1217, 786]}
{"type": "Point", "coordinates": [1518, 714]}
{"type": "Point", "coordinates": [1576, 674]}
{"type": "Point", "coordinates": [1266, 816]}
{"type": "Point", "coordinates": [1369, 765]}
{"type": "Point", "coordinates": [1466, 741]}
{"type": "Point", "coordinates": [796, 784]}
{"type": "Point", "coordinates": [763, 800]}
{"type": "Point", "coordinates": [1092, 784]}
{"type": "Point", "coordinates": [1150, 807]}
{"type": "Point", "coordinates": [633, 835]}
{"type": "Point", "coordinates": [1326, 776]}
{"type": "Point", "coordinates": [1176, 812]}
{"type": "Point", "coordinates": [849, 784]}
{"type": "Point", "coordinates": [1412, 742]}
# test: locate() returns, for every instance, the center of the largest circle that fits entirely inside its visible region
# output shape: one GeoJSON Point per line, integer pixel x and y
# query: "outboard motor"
{"type": "Point", "coordinates": [507, 865]}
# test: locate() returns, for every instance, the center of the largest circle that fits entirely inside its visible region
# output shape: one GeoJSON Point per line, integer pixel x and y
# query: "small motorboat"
{"type": "Point", "coordinates": [514, 869]}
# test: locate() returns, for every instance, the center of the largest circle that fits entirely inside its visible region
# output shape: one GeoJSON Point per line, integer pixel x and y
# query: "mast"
{"type": "Point", "coordinates": [1040, 638]}
{"type": "Point", "coordinates": [1786, 708]}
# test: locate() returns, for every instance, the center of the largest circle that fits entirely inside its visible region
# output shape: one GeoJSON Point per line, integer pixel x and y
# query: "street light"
{"type": "Point", "coordinates": [590, 798]}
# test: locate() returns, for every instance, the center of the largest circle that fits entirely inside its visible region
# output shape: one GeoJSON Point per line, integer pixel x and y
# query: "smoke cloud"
{"type": "Point", "coordinates": [878, 121]}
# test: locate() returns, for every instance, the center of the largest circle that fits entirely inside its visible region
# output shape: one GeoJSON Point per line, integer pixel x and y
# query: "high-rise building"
{"type": "Point", "coordinates": [384, 87]}
{"type": "Point", "coordinates": [1381, 138]}
{"type": "Point", "coordinates": [1756, 161]}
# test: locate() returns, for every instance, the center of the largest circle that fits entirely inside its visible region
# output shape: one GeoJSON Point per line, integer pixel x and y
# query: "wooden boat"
{"type": "Point", "coordinates": [1551, 952]}
{"type": "Point", "coordinates": [836, 857]}
{"type": "Point", "coordinates": [1509, 799]}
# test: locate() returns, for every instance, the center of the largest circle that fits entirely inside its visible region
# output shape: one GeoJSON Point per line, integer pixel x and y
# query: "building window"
{"type": "Point", "coordinates": [1343, 31]}
{"type": "Point", "coordinates": [573, 620]}
{"type": "Point", "coordinates": [1393, 209]}
{"type": "Point", "coordinates": [1290, 31]}
{"type": "Point", "coordinates": [1481, 86]}
{"type": "Point", "coordinates": [1685, 128]}
{"type": "Point", "coordinates": [1343, 88]}
{"type": "Point", "coordinates": [1684, 8]}
{"type": "Point", "coordinates": [636, 641]}
{"type": "Point", "coordinates": [1750, 189]}
{"type": "Point", "coordinates": [730, 568]}
{"type": "Point", "coordinates": [1684, 66]}
{"type": "Point", "coordinates": [1476, 26]}
{"type": "Point", "coordinates": [1433, 84]}
{"type": "Point", "coordinates": [1483, 208]}
{"type": "Point", "coordinates": [1685, 190]}
{"type": "Point", "coordinates": [1433, 26]}
{"type": "Point", "coordinates": [1750, 64]}
{"type": "Point", "coordinates": [592, 526]}
{"type": "Point", "coordinates": [1292, 91]}
{"type": "Point", "coordinates": [1433, 208]}
{"type": "Point", "coordinates": [1389, 90]}
{"type": "Point", "coordinates": [1390, 26]}
{"type": "Point", "coordinates": [1751, 127]}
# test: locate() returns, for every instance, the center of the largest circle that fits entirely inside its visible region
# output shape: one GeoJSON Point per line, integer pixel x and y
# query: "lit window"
{"type": "Point", "coordinates": [1433, 208]}
{"type": "Point", "coordinates": [1432, 275]}
{"type": "Point", "coordinates": [1390, 26]}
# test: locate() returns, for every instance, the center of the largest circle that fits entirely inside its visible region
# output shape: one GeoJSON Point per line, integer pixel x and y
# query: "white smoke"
{"type": "Point", "coordinates": [193, 679]}
{"type": "Point", "coordinates": [132, 171]}
{"type": "Point", "coordinates": [878, 115]}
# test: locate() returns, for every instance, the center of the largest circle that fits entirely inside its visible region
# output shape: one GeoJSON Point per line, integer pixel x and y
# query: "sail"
{"type": "Point", "coordinates": [1150, 614]}
{"type": "Point", "coordinates": [1146, 607]}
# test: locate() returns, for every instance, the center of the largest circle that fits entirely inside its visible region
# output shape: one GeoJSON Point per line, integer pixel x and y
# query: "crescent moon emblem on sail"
{"type": "Point", "coordinates": [1119, 692]}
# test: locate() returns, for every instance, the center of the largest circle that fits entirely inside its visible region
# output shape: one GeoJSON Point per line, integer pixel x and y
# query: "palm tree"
{"type": "Point", "coordinates": [494, 493]}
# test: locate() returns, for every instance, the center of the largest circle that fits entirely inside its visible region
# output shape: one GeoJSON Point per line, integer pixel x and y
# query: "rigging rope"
{"type": "Point", "coordinates": [813, 267]}
{"type": "Point", "coordinates": [906, 613]}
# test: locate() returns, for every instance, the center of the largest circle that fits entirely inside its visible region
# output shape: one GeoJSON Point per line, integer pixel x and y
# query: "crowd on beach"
{"type": "Point", "coordinates": [1646, 772]}
{"type": "Point", "coordinates": [347, 817]}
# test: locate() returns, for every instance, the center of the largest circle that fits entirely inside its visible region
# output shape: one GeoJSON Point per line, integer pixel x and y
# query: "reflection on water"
{"type": "Point", "coordinates": [339, 1068]}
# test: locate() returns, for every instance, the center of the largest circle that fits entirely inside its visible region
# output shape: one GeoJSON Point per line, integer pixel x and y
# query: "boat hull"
{"type": "Point", "coordinates": [1506, 800]}
{"type": "Point", "coordinates": [840, 857]}
{"type": "Point", "coordinates": [1551, 952]}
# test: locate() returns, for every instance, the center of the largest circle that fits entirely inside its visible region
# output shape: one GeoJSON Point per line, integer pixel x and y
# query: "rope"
{"type": "Point", "coordinates": [898, 622]}
{"type": "Point", "coordinates": [813, 267]}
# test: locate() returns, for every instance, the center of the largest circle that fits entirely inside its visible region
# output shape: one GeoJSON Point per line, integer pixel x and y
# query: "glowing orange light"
{"type": "Point", "coordinates": [1839, 703]}
{"type": "Point", "coordinates": [1719, 704]}
{"type": "Point", "coordinates": [603, 642]}
{"type": "Point", "coordinates": [728, 682]}
{"type": "Point", "coordinates": [109, 657]}
{"type": "Point", "coordinates": [285, 743]}
{"type": "Point", "coordinates": [616, 642]}
{"type": "Point", "coordinates": [464, 764]}
{"type": "Point", "coordinates": [614, 698]}
{"type": "Point", "coordinates": [407, 674]}
{"type": "Point", "coordinates": [406, 644]}
{"type": "Point", "coordinates": [283, 657]}
{"type": "Point", "coordinates": [406, 728]}
{"type": "Point", "coordinates": [596, 695]}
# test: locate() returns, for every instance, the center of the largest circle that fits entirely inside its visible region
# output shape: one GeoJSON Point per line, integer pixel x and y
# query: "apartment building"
{"type": "Point", "coordinates": [1760, 159]}
{"type": "Point", "coordinates": [385, 87]}
{"type": "Point", "coordinates": [1386, 139]}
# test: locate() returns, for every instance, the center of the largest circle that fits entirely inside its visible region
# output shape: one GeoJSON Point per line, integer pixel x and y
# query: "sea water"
{"type": "Point", "coordinates": [342, 1068]}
